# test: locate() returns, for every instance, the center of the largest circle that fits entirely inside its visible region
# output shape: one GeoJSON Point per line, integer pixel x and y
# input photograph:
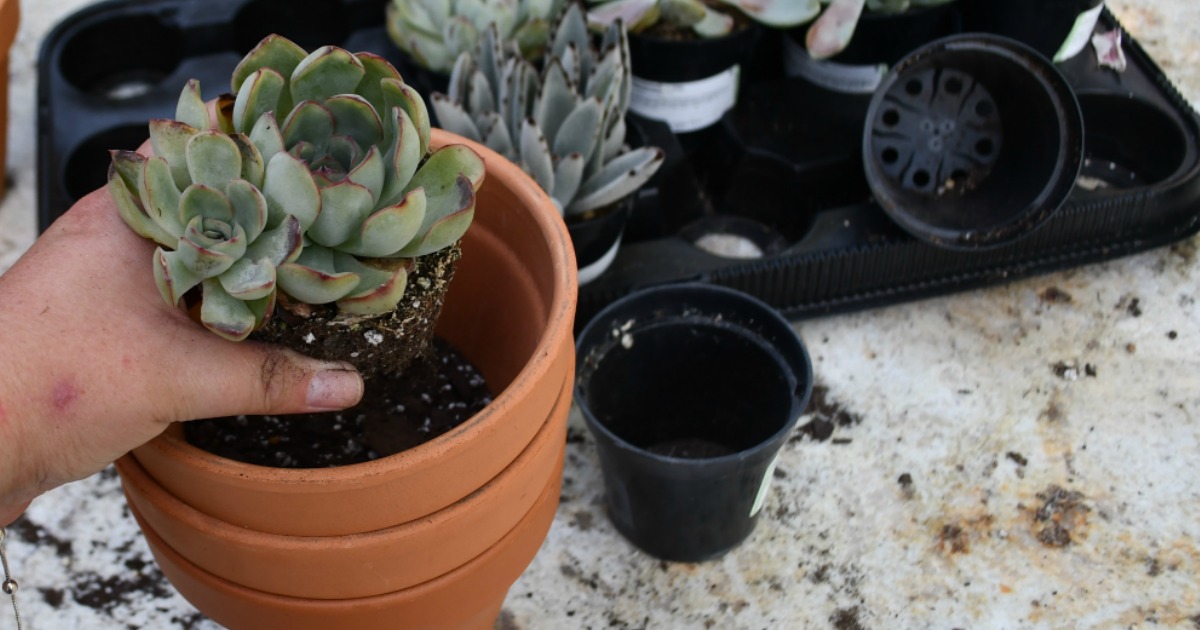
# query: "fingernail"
{"type": "Point", "coordinates": [334, 389]}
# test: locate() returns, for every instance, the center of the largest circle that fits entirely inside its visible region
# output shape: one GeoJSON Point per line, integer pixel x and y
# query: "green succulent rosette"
{"type": "Point", "coordinates": [316, 180]}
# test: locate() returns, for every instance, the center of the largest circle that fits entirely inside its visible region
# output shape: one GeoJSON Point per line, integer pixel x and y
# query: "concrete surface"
{"type": "Point", "coordinates": [1022, 456]}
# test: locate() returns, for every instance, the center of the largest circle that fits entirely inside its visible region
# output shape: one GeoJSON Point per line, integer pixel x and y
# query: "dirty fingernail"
{"type": "Point", "coordinates": [335, 388]}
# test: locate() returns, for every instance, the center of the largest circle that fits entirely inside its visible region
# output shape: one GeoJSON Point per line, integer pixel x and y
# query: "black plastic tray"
{"type": "Point", "coordinates": [830, 248]}
{"type": "Point", "coordinates": [799, 190]}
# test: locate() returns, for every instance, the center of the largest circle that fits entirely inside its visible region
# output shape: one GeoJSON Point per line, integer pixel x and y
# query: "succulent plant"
{"type": "Point", "coordinates": [436, 32]}
{"type": "Point", "coordinates": [702, 16]}
{"type": "Point", "coordinates": [830, 33]}
{"type": "Point", "coordinates": [327, 206]}
{"type": "Point", "coordinates": [564, 126]}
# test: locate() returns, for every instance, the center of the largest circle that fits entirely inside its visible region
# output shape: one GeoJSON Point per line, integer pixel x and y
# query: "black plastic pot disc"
{"type": "Point", "coordinates": [972, 141]}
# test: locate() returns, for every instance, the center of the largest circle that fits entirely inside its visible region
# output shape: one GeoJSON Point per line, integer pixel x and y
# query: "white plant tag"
{"type": "Point", "coordinates": [686, 106]}
{"type": "Point", "coordinates": [764, 487]}
{"type": "Point", "coordinates": [839, 77]}
{"type": "Point", "coordinates": [1080, 34]}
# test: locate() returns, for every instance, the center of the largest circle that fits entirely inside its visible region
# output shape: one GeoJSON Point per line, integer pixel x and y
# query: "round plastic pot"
{"type": "Point", "coordinates": [972, 141]}
{"type": "Point", "coordinates": [690, 391]}
{"type": "Point", "coordinates": [358, 565]}
{"type": "Point", "coordinates": [597, 239]}
{"type": "Point", "coordinates": [10, 18]}
{"type": "Point", "coordinates": [510, 311]}
{"type": "Point", "coordinates": [468, 598]}
{"type": "Point", "coordinates": [689, 84]}
{"type": "Point", "coordinates": [1040, 24]}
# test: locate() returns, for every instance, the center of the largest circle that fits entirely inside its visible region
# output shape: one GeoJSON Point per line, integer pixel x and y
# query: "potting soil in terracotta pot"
{"type": "Point", "coordinates": [434, 395]}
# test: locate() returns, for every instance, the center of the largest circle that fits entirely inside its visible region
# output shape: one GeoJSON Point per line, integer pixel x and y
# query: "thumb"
{"type": "Point", "coordinates": [255, 378]}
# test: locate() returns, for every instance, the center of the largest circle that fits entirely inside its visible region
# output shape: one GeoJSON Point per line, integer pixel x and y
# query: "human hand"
{"type": "Point", "coordinates": [94, 363]}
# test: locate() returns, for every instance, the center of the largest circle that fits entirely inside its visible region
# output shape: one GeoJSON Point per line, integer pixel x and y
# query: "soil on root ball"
{"type": "Point", "coordinates": [435, 394]}
{"type": "Point", "coordinates": [378, 346]}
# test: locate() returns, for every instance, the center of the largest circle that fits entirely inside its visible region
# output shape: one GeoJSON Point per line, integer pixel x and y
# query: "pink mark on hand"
{"type": "Point", "coordinates": [64, 394]}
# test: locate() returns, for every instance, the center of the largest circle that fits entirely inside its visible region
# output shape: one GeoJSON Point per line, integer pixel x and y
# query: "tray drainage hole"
{"type": "Point", "coordinates": [890, 155]}
{"type": "Point", "coordinates": [921, 179]}
{"type": "Point", "coordinates": [309, 23]}
{"type": "Point", "coordinates": [985, 147]}
{"type": "Point", "coordinates": [984, 109]}
{"type": "Point", "coordinates": [87, 167]}
{"type": "Point", "coordinates": [913, 87]}
{"type": "Point", "coordinates": [953, 85]}
{"type": "Point", "coordinates": [891, 117]}
{"type": "Point", "coordinates": [110, 59]}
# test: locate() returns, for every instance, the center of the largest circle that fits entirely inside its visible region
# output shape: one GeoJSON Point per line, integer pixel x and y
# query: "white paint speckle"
{"type": "Point", "coordinates": [373, 337]}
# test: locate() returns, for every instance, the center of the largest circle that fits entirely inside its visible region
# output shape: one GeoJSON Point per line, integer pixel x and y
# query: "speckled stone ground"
{"type": "Point", "coordinates": [1022, 456]}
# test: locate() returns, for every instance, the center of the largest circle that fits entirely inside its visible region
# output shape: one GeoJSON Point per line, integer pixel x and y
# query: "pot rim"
{"type": "Point", "coordinates": [803, 378]}
{"type": "Point", "coordinates": [379, 544]}
{"type": "Point", "coordinates": [560, 323]}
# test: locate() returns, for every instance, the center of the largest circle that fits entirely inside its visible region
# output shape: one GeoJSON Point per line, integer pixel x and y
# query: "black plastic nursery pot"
{"type": "Point", "coordinates": [972, 141]}
{"type": "Point", "coordinates": [690, 391]}
{"type": "Point", "coordinates": [1040, 24]}
{"type": "Point", "coordinates": [688, 83]}
{"type": "Point", "coordinates": [596, 239]}
{"type": "Point", "coordinates": [880, 40]}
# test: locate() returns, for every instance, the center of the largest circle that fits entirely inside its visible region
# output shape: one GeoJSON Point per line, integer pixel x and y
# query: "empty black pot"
{"type": "Point", "coordinates": [972, 141]}
{"type": "Point", "coordinates": [690, 390]}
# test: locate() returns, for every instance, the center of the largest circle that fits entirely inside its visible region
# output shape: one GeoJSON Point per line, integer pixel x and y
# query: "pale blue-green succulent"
{"type": "Point", "coordinates": [435, 32]}
{"type": "Point", "coordinates": [705, 19]}
{"type": "Point", "coordinates": [564, 126]}
{"type": "Point", "coordinates": [328, 206]}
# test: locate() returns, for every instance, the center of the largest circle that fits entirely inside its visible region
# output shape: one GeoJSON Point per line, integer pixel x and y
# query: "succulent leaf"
{"type": "Point", "coordinates": [249, 279]}
{"type": "Point", "coordinates": [580, 131]}
{"type": "Point", "coordinates": [353, 116]}
{"type": "Point", "coordinates": [267, 137]}
{"type": "Point", "coordinates": [325, 72]}
{"type": "Point", "coordinates": [635, 14]}
{"type": "Point", "coordinates": [344, 206]}
{"type": "Point", "coordinates": [290, 189]}
{"type": "Point", "coordinates": [310, 122]}
{"type": "Point", "coordinates": [224, 314]}
{"type": "Point", "coordinates": [279, 244]}
{"type": "Point", "coordinates": [123, 176]}
{"type": "Point", "coordinates": [191, 109]}
{"type": "Point", "coordinates": [831, 32]}
{"type": "Point", "coordinates": [370, 173]}
{"type": "Point", "coordinates": [160, 196]}
{"type": "Point", "coordinates": [397, 94]}
{"type": "Point", "coordinates": [496, 136]}
{"type": "Point", "coordinates": [259, 94]}
{"type": "Point", "coordinates": [535, 155]}
{"type": "Point", "coordinates": [312, 280]}
{"type": "Point", "coordinates": [779, 13]}
{"type": "Point", "coordinates": [390, 229]}
{"type": "Point", "coordinates": [568, 174]}
{"type": "Point", "coordinates": [384, 293]}
{"type": "Point", "coordinates": [454, 118]}
{"type": "Point", "coordinates": [682, 12]}
{"type": "Point", "coordinates": [616, 180]}
{"type": "Point", "coordinates": [253, 168]}
{"type": "Point", "coordinates": [557, 99]}
{"type": "Point", "coordinates": [249, 207]}
{"type": "Point", "coordinates": [375, 70]}
{"type": "Point", "coordinates": [402, 159]}
{"type": "Point", "coordinates": [172, 277]}
{"type": "Point", "coordinates": [275, 52]}
{"type": "Point", "coordinates": [206, 202]}
{"type": "Point", "coordinates": [169, 140]}
{"type": "Point", "coordinates": [213, 159]}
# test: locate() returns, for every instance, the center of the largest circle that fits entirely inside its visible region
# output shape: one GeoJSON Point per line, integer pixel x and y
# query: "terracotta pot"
{"type": "Point", "coordinates": [510, 310]}
{"type": "Point", "coordinates": [466, 598]}
{"type": "Point", "coordinates": [10, 18]}
{"type": "Point", "coordinates": [434, 535]}
{"type": "Point", "coordinates": [360, 565]}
